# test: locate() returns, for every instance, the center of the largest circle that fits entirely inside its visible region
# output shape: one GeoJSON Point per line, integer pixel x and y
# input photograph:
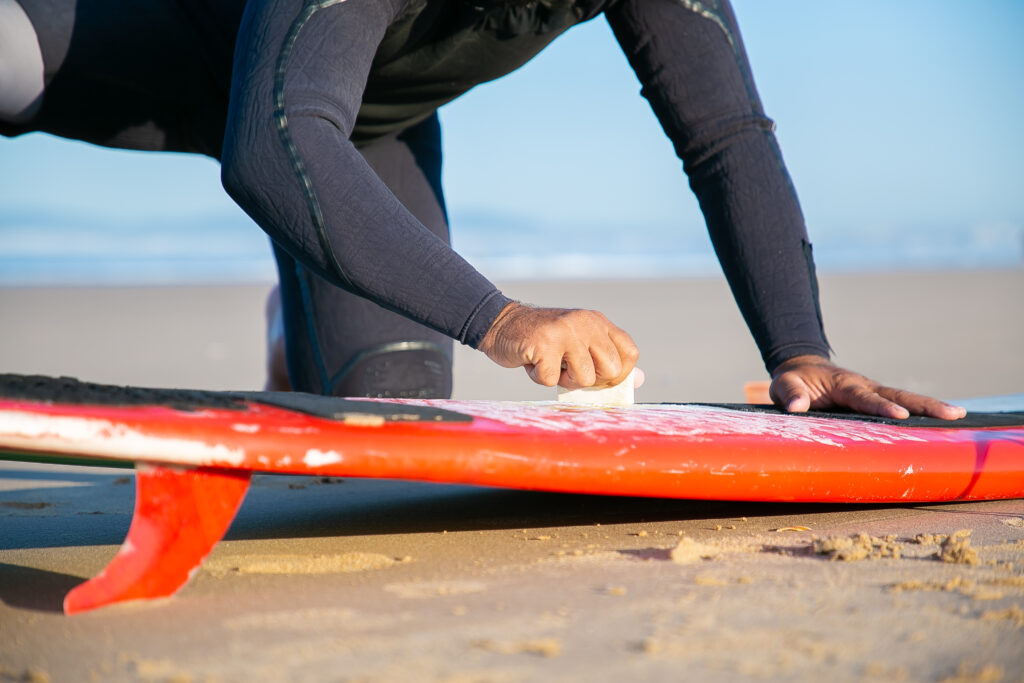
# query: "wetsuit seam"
{"type": "Point", "coordinates": [284, 132]}
{"type": "Point", "coordinates": [311, 327]}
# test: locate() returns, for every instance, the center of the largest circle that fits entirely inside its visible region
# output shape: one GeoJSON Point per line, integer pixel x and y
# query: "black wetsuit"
{"type": "Point", "coordinates": [326, 128]}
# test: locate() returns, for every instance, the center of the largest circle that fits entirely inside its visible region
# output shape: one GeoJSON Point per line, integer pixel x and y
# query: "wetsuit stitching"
{"type": "Point", "coordinates": [309, 315]}
{"type": "Point", "coordinates": [312, 203]}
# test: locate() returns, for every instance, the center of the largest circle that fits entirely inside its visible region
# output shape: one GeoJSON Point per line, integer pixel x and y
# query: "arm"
{"type": "Point", "coordinates": [297, 83]}
{"type": "Point", "coordinates": [690, 60]}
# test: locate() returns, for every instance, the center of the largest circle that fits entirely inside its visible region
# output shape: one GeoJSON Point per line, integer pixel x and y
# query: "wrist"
{"type": "Point", "coordinates": [802, 360]}
{"type": "Point", "coordinates": [504, 315]}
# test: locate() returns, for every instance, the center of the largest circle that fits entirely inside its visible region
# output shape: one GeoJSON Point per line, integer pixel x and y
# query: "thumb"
{"type": "Point", "coordinates": [790, 392]}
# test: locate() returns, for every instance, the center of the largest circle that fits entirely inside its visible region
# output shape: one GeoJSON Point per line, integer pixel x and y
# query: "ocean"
{"type": "Point", "coordinates": [44, 249]}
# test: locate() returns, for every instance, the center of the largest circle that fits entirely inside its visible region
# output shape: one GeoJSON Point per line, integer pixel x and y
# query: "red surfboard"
{"type": "Point", "coordinates": [194, 452]}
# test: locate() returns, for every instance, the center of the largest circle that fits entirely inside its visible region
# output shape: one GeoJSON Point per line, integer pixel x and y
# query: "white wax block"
{"type": "Point", "coordinates": [619, 395]}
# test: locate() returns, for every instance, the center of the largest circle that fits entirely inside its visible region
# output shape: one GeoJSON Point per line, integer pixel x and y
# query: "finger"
{"type": "Point", "coordinates": [607, 363]}
{"type": "Point", "coordinates": [868, 401]}
{"type": "Point", "coordinates": [923, 405]}
{"type": "Point", "coordinates": [546, 371]}
{"type": "Point", "coordinates": [791, 393]}
{"type": "Point", "coordinates": [627, 351]}
{"type": "Point", "coordinates": [638, 378]}
{"type": "Point", "coordinates": [578, 368]}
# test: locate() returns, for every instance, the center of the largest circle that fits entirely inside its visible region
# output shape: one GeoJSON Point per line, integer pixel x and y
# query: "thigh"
{"type": "Point", "coordinates": [139, 74]}
{"type": "Point", "coordinates": [341, 344]}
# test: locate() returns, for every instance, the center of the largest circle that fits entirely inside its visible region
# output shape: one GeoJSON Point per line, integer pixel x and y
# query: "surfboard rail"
{"type": "Point", "coordinates": [194, 459]}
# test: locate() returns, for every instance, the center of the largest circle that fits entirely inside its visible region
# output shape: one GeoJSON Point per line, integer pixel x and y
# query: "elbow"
{"type": "Point", "coordinates": [239, 175]}
{"type": "Point", "coordinates": [714, 137]}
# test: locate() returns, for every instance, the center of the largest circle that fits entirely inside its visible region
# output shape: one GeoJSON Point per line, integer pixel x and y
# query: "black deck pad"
{"type": "Point", "coordinates": [67, 390]}
{"type": "Point", "coordinates": [341, 408]}
{"type": "Point", "coordinates": [971, 421]}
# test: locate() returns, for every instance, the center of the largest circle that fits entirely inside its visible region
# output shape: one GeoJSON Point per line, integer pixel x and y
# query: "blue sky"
{"type": "Point", "coordinates": [897, 120]}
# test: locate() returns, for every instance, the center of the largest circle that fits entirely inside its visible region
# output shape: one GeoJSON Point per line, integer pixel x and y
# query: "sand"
{"type": "Point", "coordinates": [372, 580]}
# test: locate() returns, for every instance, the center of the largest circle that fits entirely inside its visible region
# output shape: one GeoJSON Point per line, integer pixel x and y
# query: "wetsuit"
{"type": "Point", "coordinates": [326, 128]}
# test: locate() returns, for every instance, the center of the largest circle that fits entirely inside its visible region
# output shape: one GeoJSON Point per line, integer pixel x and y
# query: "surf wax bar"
{"type": "Point", "coordinates": [619, 395]}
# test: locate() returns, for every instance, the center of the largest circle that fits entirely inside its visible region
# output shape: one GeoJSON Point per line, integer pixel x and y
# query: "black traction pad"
{"type": "Point", "coordinates": [971, 421]}
{"type": "Point", "coordinates": [67, 390]}
{"type": "Point", "coordinates": [334, 408]}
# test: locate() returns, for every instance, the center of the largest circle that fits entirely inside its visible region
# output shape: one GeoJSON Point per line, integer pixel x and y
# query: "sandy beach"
{"type": "Point", "coordinates": [361, 580]}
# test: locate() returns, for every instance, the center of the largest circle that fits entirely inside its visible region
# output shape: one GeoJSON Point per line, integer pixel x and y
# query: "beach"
{"type": "Point", "coordinates": [360, 580]}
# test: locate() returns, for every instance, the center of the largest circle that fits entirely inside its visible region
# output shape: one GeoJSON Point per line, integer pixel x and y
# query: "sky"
{"type": "Point", "coordinates": [899, 122]}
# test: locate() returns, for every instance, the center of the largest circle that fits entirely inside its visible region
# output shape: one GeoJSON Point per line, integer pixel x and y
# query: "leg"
{"type": "Point", "coordinates": [137, 74]}
{"type": "Point", "coordinates": [341, 344]}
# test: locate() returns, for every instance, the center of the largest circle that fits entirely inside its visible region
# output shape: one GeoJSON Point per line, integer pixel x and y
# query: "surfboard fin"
{"type": "Point", "coordinates": [180, 514]}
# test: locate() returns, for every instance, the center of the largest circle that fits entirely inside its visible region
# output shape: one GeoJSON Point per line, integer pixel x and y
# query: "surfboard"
{"type": "Point", "coordinates": [194, 452]}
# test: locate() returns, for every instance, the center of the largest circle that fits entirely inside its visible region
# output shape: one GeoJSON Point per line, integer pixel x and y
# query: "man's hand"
{"type": "Point", "coordinates": [806, 382]}
{"type": "Point", "coordinates": [571, 347]}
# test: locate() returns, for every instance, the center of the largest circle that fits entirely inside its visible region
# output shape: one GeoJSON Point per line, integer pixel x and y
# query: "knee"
{"type": "Point", "coordinates": [411, 369]}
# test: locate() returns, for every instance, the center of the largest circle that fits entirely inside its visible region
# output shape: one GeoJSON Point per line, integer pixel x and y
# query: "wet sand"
{"type": "Point", "coordinates": [374, 580]}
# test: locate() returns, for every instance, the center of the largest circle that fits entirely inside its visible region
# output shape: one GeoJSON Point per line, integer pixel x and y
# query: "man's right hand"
{"type": "Point", "coordinates": [571, 347]}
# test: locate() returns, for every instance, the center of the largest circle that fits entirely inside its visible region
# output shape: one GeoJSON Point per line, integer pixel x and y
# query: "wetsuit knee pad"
{"type": "Point", "coordinates": [21, 65]}
{"type": "Point", "coordinates": [412, 369]}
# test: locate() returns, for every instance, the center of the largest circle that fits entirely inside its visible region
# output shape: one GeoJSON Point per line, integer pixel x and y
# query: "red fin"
{"type": "Point", "coordinates": [180, 514]}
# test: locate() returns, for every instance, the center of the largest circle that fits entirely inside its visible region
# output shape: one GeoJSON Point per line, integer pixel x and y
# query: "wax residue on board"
{"type": "Point", "coordinates": [688, 421]}
{"type": "Point", "coordinates": [298, 564]}
{"type": "Point", "coordinates": [857, 547]}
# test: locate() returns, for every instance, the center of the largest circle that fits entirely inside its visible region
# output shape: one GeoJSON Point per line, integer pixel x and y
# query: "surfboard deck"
{"type": "Point", "coordinates": [194, 453]}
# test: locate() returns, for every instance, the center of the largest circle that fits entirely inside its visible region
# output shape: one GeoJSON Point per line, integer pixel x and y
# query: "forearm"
{"type": "Point", "coordinates": [695, 75]}
{"type": "Point", "coordinates": [758, 233]}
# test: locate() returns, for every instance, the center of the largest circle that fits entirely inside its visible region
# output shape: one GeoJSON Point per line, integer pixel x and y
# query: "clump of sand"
{"type": "Point", "coordinates": [986, 674]}
{"type": "Point", "coordinates": [929, 539]}
{"type": "Point", "coordinates": [299, 564]}
{"type": "Point", "coordinates": [1012, 613]}
{"type": "Point", "coordinates": [688, 551]}
{"type": "Point", "coordinates": [545, 647]}
{"type": "Point", "coordinates": [957, 548]}
{"type": "Point", "coordinates": [957, 583]}
{"type": "Point", "coordinates": [857, 547]}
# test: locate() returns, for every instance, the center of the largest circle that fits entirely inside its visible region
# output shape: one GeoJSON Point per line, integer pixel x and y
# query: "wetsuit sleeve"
{"type": "Point", "coordinates": [694, 72]}
{"type": "Point", "coordinates": [299, 73]}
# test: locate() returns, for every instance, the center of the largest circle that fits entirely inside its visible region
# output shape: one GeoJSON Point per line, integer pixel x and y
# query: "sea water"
{"type": "Point", "coordinates": [54, 248]}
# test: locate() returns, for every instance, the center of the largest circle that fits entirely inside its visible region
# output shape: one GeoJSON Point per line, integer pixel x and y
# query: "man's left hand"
{"type": "Point", "coordinates": [813, 382]}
